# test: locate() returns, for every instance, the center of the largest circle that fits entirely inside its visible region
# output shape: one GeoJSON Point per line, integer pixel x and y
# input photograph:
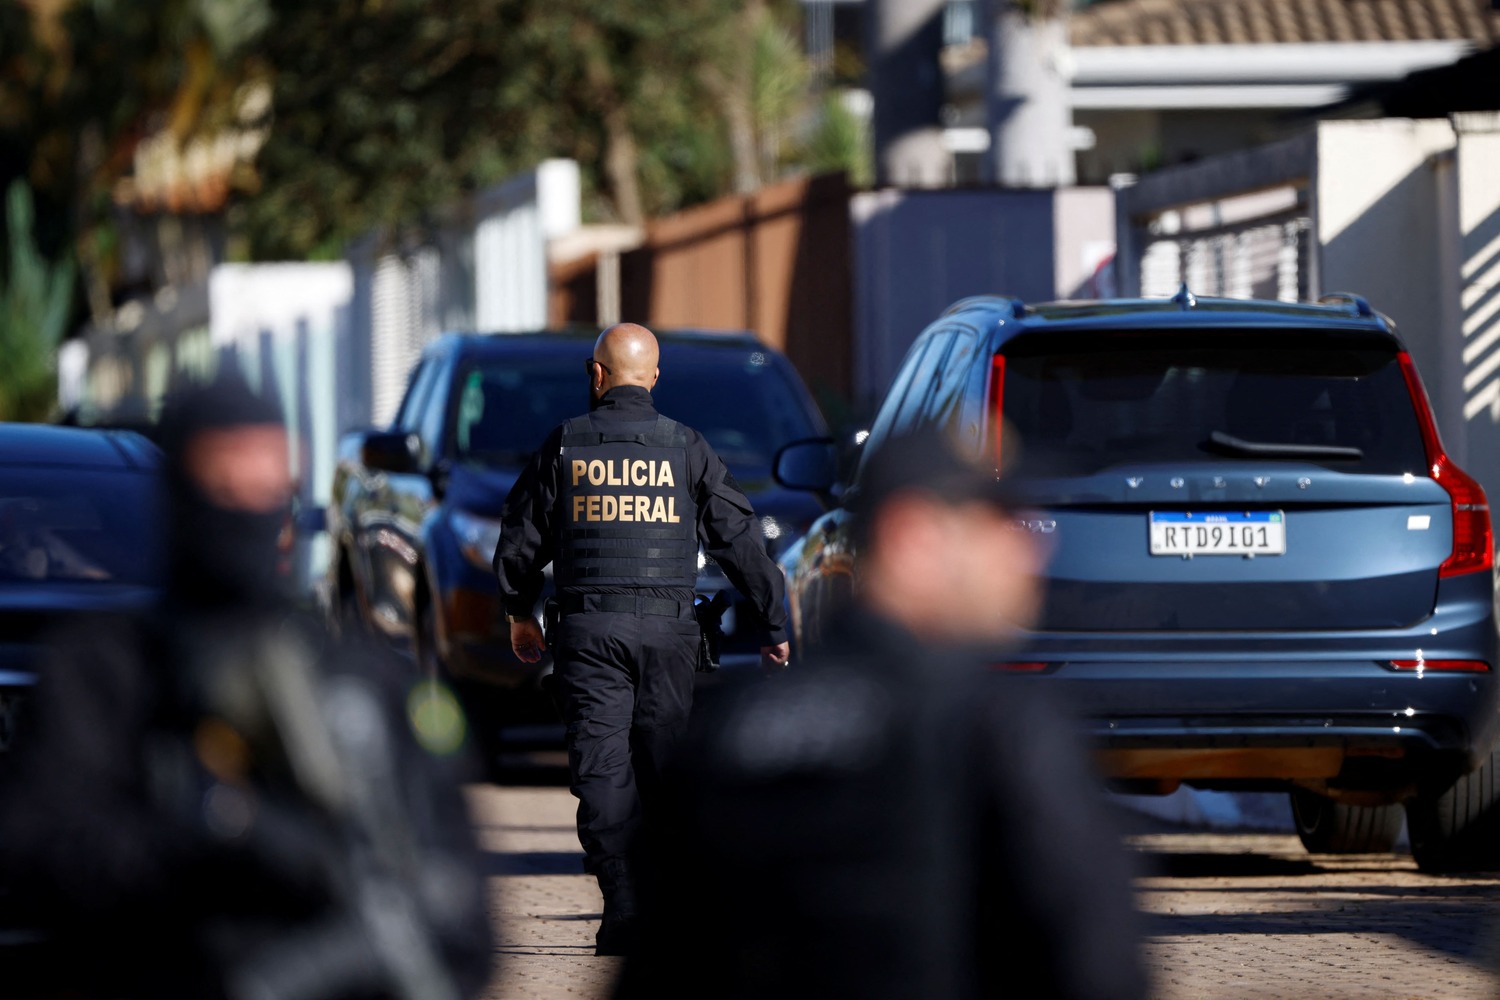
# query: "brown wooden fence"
{"type": "Point", "coordinates": [776, 262]}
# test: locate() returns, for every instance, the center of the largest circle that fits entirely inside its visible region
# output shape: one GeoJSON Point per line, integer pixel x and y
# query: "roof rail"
{"type": "Point", "coordinates": [1355, 302]}
{"type": "Point", "coordinates": [1017, 306]}
{"type": "Point", "coordinates": [1185, 298]}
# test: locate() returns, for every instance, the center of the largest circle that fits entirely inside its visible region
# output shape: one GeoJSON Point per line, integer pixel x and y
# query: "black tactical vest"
{"type": "Point", "coordinates": [627, 516]}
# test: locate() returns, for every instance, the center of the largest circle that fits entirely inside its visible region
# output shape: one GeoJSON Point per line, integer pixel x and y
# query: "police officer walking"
{"type": "Point", "coordinates": [619, 501]}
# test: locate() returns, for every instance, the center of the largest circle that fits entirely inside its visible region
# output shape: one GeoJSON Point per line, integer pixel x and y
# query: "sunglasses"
{"type": "Point", "coordinates": [589, 364]}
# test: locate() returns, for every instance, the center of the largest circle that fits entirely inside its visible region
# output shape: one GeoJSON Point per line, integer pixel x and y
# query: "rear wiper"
{"type": "Point", "coordinates": [1265, 449]}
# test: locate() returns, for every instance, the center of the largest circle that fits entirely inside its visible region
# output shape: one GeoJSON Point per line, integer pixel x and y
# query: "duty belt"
{"type": "Point", "coordinates": [572, 604]}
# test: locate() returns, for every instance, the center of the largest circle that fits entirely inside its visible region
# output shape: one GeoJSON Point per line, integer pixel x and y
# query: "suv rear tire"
{"type": "Point", "coordinates": [1458, 827]}
{"type": "Point", "coordinates": [1328, 827]}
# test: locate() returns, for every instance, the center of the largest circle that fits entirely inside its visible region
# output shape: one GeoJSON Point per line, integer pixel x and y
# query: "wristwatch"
{"type": "Point", "coordinates": [518, 619]}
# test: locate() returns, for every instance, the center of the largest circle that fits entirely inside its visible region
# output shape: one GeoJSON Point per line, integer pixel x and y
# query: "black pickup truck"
{"type": "Point", "coordinates": [414, 513]}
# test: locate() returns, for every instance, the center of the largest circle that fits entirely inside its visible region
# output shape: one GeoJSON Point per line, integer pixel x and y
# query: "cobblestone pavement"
{"type": "Point", "coordinates": [1241, 916]}
{"type": "Point", "coordinates": [546, 908]}
{"type": "Point", "coordinates": [1233, 916]}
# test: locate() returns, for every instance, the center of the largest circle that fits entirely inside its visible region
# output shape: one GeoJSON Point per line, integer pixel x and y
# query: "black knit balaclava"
{"type": "Point", "coordinates": [218, 557]}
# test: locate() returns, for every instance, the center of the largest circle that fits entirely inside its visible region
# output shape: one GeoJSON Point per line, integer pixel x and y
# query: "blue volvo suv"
{"type": "Point", "coordinates": [1265, 572]}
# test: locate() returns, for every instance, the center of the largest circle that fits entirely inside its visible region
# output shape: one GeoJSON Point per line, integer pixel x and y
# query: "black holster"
{"type": "Point", "coordinates": [551, 615]}
{"type": "Point", "coordinates": [709, 612]}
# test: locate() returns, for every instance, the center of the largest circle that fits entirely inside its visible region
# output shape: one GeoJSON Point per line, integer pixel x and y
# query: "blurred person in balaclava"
{"type": "Point", "coordinates": [897, 817]}
{"type": "Point", "coordinates": [214, 799]}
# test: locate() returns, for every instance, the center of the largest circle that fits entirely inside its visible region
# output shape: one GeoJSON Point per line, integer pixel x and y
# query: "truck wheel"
{"type": "Point", "coordinates": [1328, 827]}
{"type": "Point", "coordinates": [1457, 828]}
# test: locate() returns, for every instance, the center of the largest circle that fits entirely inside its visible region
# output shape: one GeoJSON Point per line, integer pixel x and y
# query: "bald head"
{"type": "Point", "coordinates": [628, 355]}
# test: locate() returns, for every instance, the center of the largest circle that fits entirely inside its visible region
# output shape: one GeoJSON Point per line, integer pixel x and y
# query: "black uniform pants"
{"type": "Point", "coordinates": [625, 681]}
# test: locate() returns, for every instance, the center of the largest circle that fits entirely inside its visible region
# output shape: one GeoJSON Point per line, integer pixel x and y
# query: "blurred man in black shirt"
{"type": "Point", "coordinates": [894, 819]}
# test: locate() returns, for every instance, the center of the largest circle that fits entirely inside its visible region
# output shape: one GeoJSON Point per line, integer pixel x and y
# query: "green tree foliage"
{"type": "Point", "coordinates": [778, 90]}
{"type": "Point", "coordinates": [35, 296]}
{"type": "Point", "coordinates": [382, 112]}
{"type": "Point", "coordinates": [840, 141]}
{"type": "Point", "coordinates": [386, 109]}
{"type": "Point", "coordinates": [81, 81]}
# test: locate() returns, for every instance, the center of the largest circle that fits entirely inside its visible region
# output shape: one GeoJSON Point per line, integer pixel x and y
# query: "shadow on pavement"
{"type": "Point", "coordinates": [1333, 895]}
{"type": "Point", "coordinates": [1171, 864]}
{"type": "Point", "coordinates": [534, 863]}
{"type": "Point", "coordinates": [1456, 928]}
{"type": "Point", "coordinates": [530, 776]}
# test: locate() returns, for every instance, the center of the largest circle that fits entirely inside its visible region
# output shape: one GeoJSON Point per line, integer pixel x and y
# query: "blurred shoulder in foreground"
{"type": "Point", "coordinates": [894, 817]}
{"type": "Point", "coordinates": [218, 798]}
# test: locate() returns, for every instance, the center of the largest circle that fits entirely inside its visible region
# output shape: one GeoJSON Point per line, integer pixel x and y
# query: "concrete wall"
{"type": "Point", "coordinates": [1475, 278]}
{"type": "Point", "coordinates": [1392, 210]}
{"type": "Point", "coordinates": [1083, 224]}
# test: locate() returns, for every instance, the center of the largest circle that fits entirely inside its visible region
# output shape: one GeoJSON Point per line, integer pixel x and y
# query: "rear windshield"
{"type": "Point", "coordinates": [1081, 403]}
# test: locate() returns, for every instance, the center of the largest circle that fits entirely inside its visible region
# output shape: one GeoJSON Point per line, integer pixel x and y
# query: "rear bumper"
{"type": "Point", "coordinates": [1390, 757]}
{"type": "Point", "coordinates": [1347, 723]}
{"type": "Point", "coordinates": [1262, 709]}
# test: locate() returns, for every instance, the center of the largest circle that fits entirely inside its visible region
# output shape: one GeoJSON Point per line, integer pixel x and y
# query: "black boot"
{"type": "Point", "coordinates": [621, 923]}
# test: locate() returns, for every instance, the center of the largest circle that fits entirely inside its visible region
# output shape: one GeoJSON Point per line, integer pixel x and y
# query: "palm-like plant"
{"type": "Point", "coordinates": [36, 296]}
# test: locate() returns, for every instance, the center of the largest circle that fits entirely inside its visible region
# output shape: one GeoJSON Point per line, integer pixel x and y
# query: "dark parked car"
{"type": "Point", "coordinates": [1266, 574]}
{"type": "Point", "coordinates": [415, 508]}
{"type": "Point", "coordinates": [77, 510]}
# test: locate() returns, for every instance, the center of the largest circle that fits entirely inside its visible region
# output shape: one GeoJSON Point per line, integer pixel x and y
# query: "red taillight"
{"type": "Point", "coordinates": [997, 402]}
{"type": "Point", "coordinates": [1473, 545]}
{"type": "Point", "coordinates": [1473, 542]}
{"type": "Point", "coordinates": [1021, 666]}
{"type": "Point", "coordinates": [1462, 666]}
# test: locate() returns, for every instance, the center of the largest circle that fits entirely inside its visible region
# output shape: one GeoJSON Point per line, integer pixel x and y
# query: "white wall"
{"type": "Point", "coordinates": [516, 219]}
{"type": "Point", "coordinates": [1408, 214]}
{"type": "Point", "coordinates": [1478, 261]}
{"type": "Point", "coordinates": [1361, 163]}
{"type": "Point", "coordinates": [1083, 219]}
{"type": "Point", "coordinates": [1379, 226]}
{"type": "Point", "coordinates": [284, 323]}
